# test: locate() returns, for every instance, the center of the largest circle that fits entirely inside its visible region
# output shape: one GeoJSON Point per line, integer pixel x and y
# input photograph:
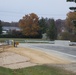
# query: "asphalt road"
{"type": "Point", "coordinates": [67, 51]}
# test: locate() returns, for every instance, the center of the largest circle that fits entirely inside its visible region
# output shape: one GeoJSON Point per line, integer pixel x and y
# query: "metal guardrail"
{"type": "Point", "coordinates": [34, 41]}
{"type": "Point", "coordinates": [64, 43]}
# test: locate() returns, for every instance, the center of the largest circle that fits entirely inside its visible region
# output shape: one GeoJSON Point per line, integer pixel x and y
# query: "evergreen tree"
{"type": "Point", "coordinates": [42, 25]}
{"type": "Point", "coordinates": [0, 28]}
{"type": "Point", "coordinates": [52, 32]}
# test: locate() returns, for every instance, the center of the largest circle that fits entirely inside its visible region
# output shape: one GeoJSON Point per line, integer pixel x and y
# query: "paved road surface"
{"type": "Point", "coordinates": [66, 51]}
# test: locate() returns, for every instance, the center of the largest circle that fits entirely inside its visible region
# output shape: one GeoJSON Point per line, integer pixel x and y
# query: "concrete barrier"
{"type": "Point", "coordinates": [62, 42]}
{"type": "Point", "coordinates": [34, 41]}
{"type": "Point", "coordinates": [72, 43]}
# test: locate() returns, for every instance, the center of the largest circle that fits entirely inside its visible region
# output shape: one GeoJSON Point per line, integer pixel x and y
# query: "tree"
{"type": "Point", "coordinates": [72, 8]}
{"type": "Point", "coordinates": [71, 16]}
{"type": "Point", "coordinates": [42, 25]}
{"type": "Point", "coordinates": [51, 32]}
{"type": "Point", "coordinates": [29, 25]}
{"type": "Point", "coordinates": [71, 22]}
{"type": "Point", "coordinates": [0, 28]}
{"type": "Point", "coordinates": [71, 0]}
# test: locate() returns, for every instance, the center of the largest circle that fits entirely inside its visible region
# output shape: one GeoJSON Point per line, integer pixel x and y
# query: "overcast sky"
{"type": "Point", "coordinates": [14, 10]}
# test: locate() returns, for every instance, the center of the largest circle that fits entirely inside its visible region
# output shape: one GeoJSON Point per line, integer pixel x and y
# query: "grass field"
{"type": "Point", "coordinates": [15, 39]}
{"type": "Point", "coordinates": [36, 70]}
{"type": "Point", "coordinates": [23, 40]}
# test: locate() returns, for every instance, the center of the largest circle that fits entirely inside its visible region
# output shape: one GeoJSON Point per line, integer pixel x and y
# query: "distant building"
{"type": "Point", "coordinates": [44, 36]}
{"type": "Point", "coordinates": [4, 32]}
{"type": "Point", "coordinates": [9, 29]}
{"type": "Point", "coordinates": [10, 26]}
{"type": "Point", "coordinates": [5, 28]}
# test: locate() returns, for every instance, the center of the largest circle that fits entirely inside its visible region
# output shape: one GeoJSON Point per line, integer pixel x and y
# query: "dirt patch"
{"type": "Point", "coordinates": [15, 58]}
{"type": "Point", "coordinates": [14, 61]}
{"type": "Point", "coordinates": [39, 57]}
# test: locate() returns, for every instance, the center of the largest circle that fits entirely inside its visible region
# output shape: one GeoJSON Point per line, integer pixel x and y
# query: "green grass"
{"type": "Point", "coordinates": [19, 39]}
{"type": "Point", "coordinates": [23, 40]}
{"type": "Point", "coordinates": [15, 39]}
{"type": "Point", "coordinates": [36, 70]}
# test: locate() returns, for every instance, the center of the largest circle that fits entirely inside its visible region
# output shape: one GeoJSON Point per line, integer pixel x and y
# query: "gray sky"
{"type": "Point", "coordinates": [14, 10]}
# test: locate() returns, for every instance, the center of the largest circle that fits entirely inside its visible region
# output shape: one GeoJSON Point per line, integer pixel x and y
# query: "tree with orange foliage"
{"type": "Point", "coordinates": [29, 25]}
{"type": "Point", "coordinates": [71, 16]}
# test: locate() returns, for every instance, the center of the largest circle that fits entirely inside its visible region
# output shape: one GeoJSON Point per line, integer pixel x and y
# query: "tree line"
{"type": "Point", "coordinates": [31, 26]}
